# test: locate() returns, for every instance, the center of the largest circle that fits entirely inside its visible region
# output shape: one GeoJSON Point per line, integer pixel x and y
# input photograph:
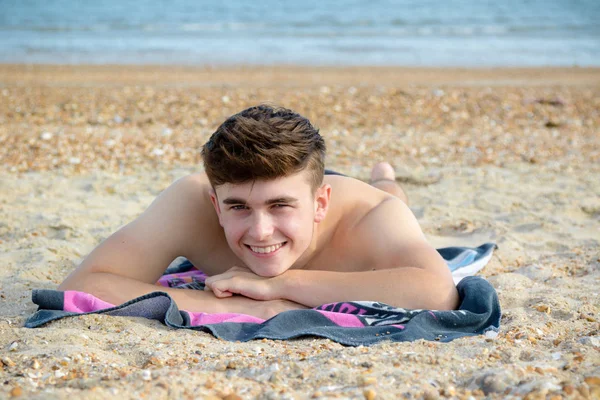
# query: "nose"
{"type": "Point", "coordinates": [262, 227]}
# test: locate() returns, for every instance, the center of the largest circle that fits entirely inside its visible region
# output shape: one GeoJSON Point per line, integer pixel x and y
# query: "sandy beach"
{"type": "Point", "coordinates": [510, 156]}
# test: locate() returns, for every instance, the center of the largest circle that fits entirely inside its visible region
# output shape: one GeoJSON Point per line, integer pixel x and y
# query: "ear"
{"type": "Point", "coordinates": [215, 202]}
{"type": "Point", "coordinates": [322, 198]}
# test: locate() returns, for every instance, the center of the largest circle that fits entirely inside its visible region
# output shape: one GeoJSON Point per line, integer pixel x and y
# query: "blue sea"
{"type": "Point", "coordinates": [308, 32]}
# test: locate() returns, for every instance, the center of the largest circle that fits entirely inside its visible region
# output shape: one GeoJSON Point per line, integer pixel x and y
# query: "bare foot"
{"type": "Point", "coordinates": [383, 178]}
{"type": "Point", "coordinates": [383, 171]}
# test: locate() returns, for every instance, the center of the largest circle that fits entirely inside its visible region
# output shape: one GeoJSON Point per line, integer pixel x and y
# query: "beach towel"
{"type": "Point", "coordinates": [349, 323]}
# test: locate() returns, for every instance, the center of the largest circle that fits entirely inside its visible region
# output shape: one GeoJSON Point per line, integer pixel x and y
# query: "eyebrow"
{"type": "Point", "coordinates": [276, 200]}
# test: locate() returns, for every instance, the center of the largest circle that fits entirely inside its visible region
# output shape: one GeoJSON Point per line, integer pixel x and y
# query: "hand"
{"type": "Point", "coordinates": [243, 281]}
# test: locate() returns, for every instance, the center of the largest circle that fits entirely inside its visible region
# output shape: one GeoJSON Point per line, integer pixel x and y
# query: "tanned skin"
{"type": "Point", "coordinates": [271, 246]}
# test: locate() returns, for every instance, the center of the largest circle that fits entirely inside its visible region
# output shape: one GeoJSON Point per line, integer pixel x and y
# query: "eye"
{"type": "Point", "coordinates": [280, 205]}
{"type": "Point", "coordinates": [238, 208]}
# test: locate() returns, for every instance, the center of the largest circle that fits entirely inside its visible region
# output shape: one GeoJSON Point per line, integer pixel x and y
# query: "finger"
{"type": "Point", "coordinates": [230, 286]}
{"type": "Point", "coordinates": [221, 293]}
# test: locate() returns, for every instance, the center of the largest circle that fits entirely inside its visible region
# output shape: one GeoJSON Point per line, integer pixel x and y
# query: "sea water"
{"type": "Point", "coordinates": [307, 32]}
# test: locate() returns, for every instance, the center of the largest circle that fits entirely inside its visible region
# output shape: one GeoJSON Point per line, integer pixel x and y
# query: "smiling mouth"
{"type": "Point", "coordinates": [266, 249]}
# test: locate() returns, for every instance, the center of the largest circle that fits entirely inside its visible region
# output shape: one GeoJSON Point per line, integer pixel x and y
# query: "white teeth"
{"type": "Point", "coordinates": [268, 249]}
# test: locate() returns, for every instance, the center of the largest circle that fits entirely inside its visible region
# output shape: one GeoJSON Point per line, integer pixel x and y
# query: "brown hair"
{"type": "Point", "coordinates": [262, 143]}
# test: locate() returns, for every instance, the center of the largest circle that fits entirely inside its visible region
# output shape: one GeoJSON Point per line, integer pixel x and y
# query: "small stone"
{"type": "Point", "coordinates": [46, 136]}
{"type": "Point", "coordinates": [13, 346]}
{"type": "Point", "coordinates": [543, 308]}
{"type": "Point", "coordinates": [16, 391]}
{"type": "Point", "coordinates": [493, 382]}
{"type": "Point", "coordinates": [491, 335]}
{"type": "Point", "coordinates": [221, 366]}
{"type": "Point", "coordinates": [369, 394]}
{"type": "Point", "coordinates": [588, 318]}
{"type": "Point", "coordinates": [449, 391]}
{"type": "Point", "coordinates": [590, 341]}
{"type": "Point", "coordinates": [167, 132]}
{"type": "Point", "coordinates": [8, 362]}
{"type": "Point", "coordinates": [74, 160]}
{"type": "Point", "coordinates": [155, 361]}
{"type": "Point", "coordinates": [592, 380]}
{"type": "Point", "coordinates": [35, 364]}
{"type": "Point", "coordinates": [146, 375]}
{"type": "Point", "coordinates": [569, 389]}
{"type": "Point", "coordinates": [431, 395]}
{"type": "Point", "coordinates": [367, 380]}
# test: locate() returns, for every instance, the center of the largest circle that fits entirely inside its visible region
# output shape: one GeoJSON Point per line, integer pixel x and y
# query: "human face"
{"type": "Point", "coordinates": [269, 225]}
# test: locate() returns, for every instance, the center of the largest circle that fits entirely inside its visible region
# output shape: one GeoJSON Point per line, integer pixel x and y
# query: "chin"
{"type": "Point", "coordinates": [268, 272]}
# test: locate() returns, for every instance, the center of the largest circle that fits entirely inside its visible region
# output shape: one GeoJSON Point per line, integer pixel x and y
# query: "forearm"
{"type": "Point", "coordinates": [406, 287]}
{"type": "Point", "coordinates": [117, 290]}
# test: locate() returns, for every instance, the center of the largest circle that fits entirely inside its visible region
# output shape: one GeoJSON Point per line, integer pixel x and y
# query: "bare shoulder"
{"type": "Point", "coordinates": [184, 206]}
{"type": "Point", "coordinates": [380, 228]}
{"type": "Point", "coordinates": [395, 239]}
{"type": "Point", "coordinates": [180, 221]}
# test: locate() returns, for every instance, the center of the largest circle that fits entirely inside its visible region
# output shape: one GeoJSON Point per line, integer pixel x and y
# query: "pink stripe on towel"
{"type": "Point", "coordinates": [81, 302]}
{"type": "Point", "coordinates": [345, 320]}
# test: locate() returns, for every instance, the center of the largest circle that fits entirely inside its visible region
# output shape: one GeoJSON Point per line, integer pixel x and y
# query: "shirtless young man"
{"type": "Point", "coordinates": [272, 232]}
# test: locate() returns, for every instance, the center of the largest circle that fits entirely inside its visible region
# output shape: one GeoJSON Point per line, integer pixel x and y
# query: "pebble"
{"type": "Point", "coordinates": [16, 391]}
{"type": "Point", "coordinates": [370, 394]}
{"type": "Point", "coordinates": [592, 380]}
{"type": "Point", "coordinates": [147, 375]}
{"type": "Point", "coordinates": [593, 341]}
{"type": "Point", "coordinates": [493, 381]}
{"type": "Point", "coordinates": [491, 335]}
{"type": "Point", "coordinates": [367, 380]}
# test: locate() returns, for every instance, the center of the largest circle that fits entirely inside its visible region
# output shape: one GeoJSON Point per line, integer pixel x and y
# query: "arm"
{"type": "Point", "coordinates": [406, 287]}
{"type": "Point", "coordinates": [129, 262]}
{"type": "Point", "coordinates": [117, 290]}
{"type": "Point", "coordinates": [142, 249]}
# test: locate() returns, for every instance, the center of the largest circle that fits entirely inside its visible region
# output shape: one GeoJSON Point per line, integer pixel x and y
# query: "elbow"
{"type": "Point", "coordinates": [81, 281]}
{"type": "Point", "coordinates": [447, 302]}
{"type": "Point", "coordinates": [73, 282]}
